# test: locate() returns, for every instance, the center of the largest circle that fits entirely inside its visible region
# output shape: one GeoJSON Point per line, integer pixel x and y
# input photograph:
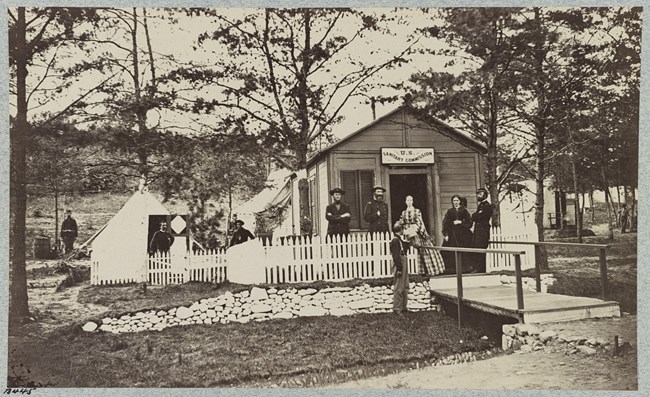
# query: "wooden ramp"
{"type": "Point", "coordinates": [538, 307]}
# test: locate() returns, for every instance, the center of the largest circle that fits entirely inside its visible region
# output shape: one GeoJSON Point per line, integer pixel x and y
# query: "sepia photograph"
{"type": "Point", "coordinates": [322, 198]}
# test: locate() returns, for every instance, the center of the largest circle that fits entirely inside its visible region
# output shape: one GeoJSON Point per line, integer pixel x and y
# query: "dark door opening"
{"type": "Point", "coordinates": [154, 225]}
{"type": "Point", "coordinates": [415, 185]}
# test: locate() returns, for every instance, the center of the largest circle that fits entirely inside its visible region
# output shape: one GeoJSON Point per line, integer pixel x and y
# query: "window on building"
{"type": "Point", "coordinates": [313, 215]}
{"type": "Point", "coordinates": [358, 191]}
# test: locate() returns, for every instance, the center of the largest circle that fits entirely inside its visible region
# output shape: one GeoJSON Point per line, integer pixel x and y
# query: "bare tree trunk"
{"type": "Point", "coordinates": [18, 300]}
{"type": "Point", "coordinates": [610, 225]}
{"type": "Point", "coordinates": [591, 202]}
{"type": "Point", "coordinates": [229, 214]}
{"type": "Point", "coordinates": [540, 131]}
{"type": "Point", "coordinates": [574, 175]}
{"type": "Point", "coordinates": [618, 206]}
{"type": "Point", "coordinates": [539, 205]}
{"type": "Point", "coordinates": [56, 220]}
{"type": "Point", "coordinates": [492, 155]}
{"type": "Point", "coordinates": [303, 189]}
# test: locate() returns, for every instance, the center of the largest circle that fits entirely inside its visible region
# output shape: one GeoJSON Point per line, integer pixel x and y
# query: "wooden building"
{"type": "Point", "coordinates": [408, 155]}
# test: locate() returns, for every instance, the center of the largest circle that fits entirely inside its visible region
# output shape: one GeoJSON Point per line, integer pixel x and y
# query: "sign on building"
{"type": "Point", "coordinates": [407, 156]}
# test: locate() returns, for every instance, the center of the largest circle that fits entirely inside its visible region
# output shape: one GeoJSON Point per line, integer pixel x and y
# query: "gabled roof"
{"type": "Point", "coordinates": [449, 131]}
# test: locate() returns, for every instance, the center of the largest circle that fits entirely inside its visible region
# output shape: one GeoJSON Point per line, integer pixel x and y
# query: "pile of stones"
{"type": "Point", "coordinates": [259, 304]}
{"type": "Point", "coordinates": [531, 337]}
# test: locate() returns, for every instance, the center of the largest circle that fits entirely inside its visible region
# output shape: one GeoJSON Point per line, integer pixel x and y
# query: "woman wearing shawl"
{"type": "Point", "coordinates": [456, 231]}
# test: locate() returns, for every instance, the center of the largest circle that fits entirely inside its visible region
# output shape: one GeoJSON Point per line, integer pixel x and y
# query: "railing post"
{"type": "Point", "coordinates": [520, 288]}
{"type": "Point", "coordinates": [459, 282]}
{"type": "Point", "coordinates": [603, 274]}
{"type": "Point", "coordinates": [538, 270]}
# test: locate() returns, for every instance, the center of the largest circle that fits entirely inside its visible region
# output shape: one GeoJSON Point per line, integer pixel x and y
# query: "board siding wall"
{"type": "Point", "coordinates": [458, 175]}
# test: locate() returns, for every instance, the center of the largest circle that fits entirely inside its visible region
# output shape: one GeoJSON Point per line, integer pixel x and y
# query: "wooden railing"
{"type": "Point", "coordinates": [459, 273]}
{"type": "Point", "coordinates": [604, 284]}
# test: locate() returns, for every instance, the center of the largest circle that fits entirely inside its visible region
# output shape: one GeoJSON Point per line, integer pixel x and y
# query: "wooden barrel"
{"type": "Point", "coordinates": [41, 247]}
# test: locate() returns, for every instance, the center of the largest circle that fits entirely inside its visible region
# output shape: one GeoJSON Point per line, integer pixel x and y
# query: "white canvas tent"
{"type": "Point", "coordinates": [276, 193]}
{"type": "Point", "coordinates": [119, 249]}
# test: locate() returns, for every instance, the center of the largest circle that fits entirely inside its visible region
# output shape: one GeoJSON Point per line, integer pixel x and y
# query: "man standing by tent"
{"type": "Point", "coordinates": [240, 234]}
{"type": "Point", "coordinates": [68, 231]}
{"type": "Point", "coordinates": [338, 214]}
{"type": "Point", "coordinates": [162, 240]}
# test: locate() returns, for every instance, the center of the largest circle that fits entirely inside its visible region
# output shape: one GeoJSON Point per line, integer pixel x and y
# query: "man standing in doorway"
{"type": "Point", "coordinates": [376, 211]}
{"type": "Point", "coordinates": [162, 240]}
{"type": "Point", "coordinates": [337, 214]}
{"type": "Point", "coordinates": [68, 231]}
{"type": "Point", "coordinates": [481, 219]}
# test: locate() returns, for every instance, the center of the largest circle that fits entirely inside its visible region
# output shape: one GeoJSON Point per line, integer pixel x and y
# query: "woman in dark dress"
{"type": "Point", "coordinates": [456, 231]}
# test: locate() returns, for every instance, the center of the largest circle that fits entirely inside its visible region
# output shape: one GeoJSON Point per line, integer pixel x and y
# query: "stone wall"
{"type": "Point", "coordinates": [259, 304]}
{"type": "Point", "coordinates": [529, 337]}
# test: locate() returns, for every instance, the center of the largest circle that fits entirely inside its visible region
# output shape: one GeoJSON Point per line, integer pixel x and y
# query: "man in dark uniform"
{"type": "Point", "coordinates": [240, 234]}
{"type": "Point", "coordinates": [68, 231]}
{"type": "Point", "coordinates": [162, 240]}
{"type": "Point", "coordinates": [481, 219]}
{"type": "Point", "coordinates": [338, 214]}
{"type": "Point", "coordinates": [376, 211]}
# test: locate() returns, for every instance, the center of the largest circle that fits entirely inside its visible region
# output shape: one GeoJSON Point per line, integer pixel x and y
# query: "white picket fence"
{"type": "Point", "coordinates": [207, 266]}
{"type": "Point", "coordinates": [165, 268]}
{"type": "Point", "coordinates": [308, 259]}
{"type": "Point", "coordinates": [100, 274]}
{"type": "Point", "coordinates": [299, 259]}
{"type": "Point", "coordinates": [496, 262]}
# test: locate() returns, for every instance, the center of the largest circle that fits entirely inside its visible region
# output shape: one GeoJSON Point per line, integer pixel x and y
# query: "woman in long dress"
{"type": "Point", "coordinates": [429, 260]}
{"type": "Point", "coordinates": [456, 232]}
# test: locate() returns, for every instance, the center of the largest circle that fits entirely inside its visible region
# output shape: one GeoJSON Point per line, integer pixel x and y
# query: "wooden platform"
{"type": "Point", "coordinates": [538, 307]}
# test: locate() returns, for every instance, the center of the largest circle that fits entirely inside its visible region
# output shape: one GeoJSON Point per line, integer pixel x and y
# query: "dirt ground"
{"type": "Point", "coordinates": [534, 370]}
{"type": "Point", "coordinates": [55, 309]}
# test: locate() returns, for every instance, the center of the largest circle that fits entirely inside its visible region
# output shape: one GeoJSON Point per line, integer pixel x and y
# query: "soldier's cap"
{"type": "Point", "coordinates": [378, 187]}
{"type": "Point", "coordinates": [68, 211]}
{"type": "Point", "coordinates": [337, 190]}
{"type": "Point", "coordinates": [239, 222]}
{"type": "Point", "coordinates": [479, 190]}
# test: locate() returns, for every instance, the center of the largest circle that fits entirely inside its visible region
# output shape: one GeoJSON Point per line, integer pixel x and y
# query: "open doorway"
{"type": "Point", "coordinates": [402, 185]}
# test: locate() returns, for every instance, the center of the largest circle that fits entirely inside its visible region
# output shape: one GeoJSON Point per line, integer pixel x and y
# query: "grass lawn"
{"type": "Point", "coordinates": [578, 270]}
{"type": "Point", "coordinates": [298, 352]}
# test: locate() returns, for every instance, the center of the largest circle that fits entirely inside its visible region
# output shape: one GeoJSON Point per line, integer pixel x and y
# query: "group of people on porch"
{"type": "Point", "coordinates": [456, 229]}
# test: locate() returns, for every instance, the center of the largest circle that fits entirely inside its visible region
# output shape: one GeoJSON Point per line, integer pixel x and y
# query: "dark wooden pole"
{"type": "Point", "coordinates": [459, 282]}
{"type": "Point", "coordinates": [538, 270]}
{"type": "Point", "coordinates": [603, 273]}
{"type": "Point", "coordinates": [520, 288]}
